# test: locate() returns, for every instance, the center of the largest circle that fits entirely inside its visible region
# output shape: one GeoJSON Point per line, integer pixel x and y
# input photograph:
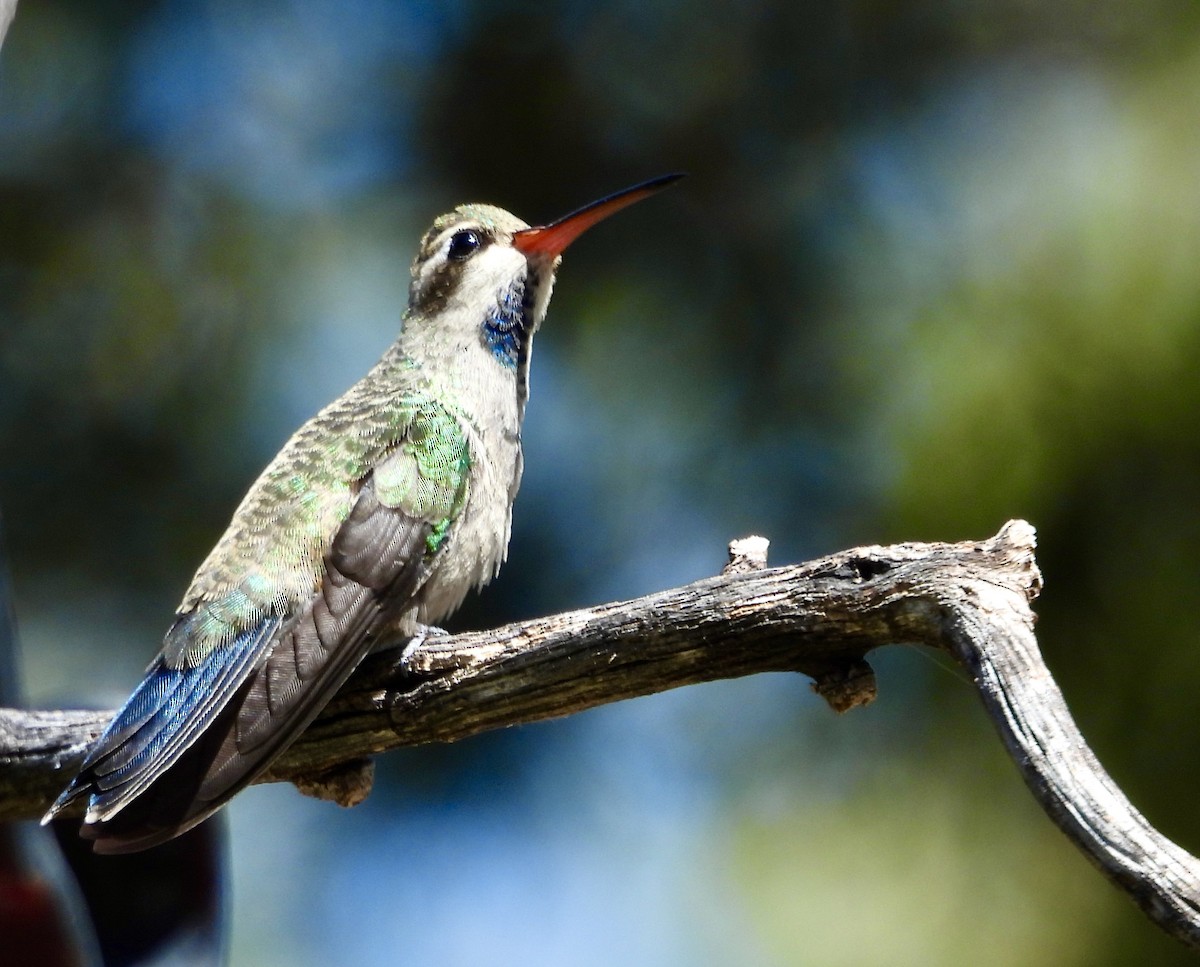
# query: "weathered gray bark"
{"type": "Point", "coordinates": [821, 618]}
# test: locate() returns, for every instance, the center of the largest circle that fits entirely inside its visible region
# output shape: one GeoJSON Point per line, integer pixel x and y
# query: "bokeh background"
{"type": "Point", "coordinates": [936, 266]}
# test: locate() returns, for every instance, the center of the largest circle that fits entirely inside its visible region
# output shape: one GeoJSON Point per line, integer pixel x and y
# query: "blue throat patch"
{"type": "Point", "coordinates": [504, 329]}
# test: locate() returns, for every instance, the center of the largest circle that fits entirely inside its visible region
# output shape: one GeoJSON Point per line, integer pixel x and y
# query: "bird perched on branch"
{"type": "Point", "coordinates": [378, 515]}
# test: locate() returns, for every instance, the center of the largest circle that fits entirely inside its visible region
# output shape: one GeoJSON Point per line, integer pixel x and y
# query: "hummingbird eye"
{"type": "Point", "coordinates": [463, 244]}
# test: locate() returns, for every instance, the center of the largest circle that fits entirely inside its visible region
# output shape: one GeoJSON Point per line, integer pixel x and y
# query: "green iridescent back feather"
{"type": "Point", "coordinates": [270, 558]}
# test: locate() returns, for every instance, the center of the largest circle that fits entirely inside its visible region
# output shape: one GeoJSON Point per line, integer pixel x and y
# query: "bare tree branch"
{"type": "Point", "coordinates": [8, 10]}
{"type": "Point", "coordinates": [820, 618]}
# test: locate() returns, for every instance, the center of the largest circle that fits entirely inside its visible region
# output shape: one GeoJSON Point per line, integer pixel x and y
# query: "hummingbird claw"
{"type": "Point", "coordinates": [418, 640]}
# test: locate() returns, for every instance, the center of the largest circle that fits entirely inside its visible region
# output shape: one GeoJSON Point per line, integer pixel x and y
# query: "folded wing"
{"type": "Point", "coordinates": [196, 732]}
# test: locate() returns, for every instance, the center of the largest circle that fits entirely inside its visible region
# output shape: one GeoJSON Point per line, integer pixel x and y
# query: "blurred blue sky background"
{"type": "Point", "coordinates": [935, 267]}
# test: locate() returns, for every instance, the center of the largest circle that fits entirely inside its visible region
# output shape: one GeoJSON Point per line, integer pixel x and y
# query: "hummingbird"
{"type": "Point", "coordinates": [376, 518]}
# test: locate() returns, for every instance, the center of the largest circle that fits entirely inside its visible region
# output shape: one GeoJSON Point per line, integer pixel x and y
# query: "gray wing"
{"type": "Point", "coordinates": [175, 754]}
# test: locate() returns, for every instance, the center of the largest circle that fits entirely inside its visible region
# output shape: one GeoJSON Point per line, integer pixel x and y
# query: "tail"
{"type": "Point", "coordinates": [186, 742]}
{"type": "Point", "coordinates": [198, 731]}
{"type": "Point", "coordinates": [175, 754]}
{"type": "Point", "coordinates": [162, 729]}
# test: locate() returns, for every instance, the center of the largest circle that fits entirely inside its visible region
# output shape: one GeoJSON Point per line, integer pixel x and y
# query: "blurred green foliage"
{"type": "Point", "coordinates": [935, 268]}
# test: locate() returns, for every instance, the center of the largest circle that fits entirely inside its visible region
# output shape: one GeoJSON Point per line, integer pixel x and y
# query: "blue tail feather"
{"type": "Point", "coordinates": [169, 709]}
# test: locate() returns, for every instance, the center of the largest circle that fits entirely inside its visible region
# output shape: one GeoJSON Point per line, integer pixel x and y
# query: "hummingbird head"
{"type": "Point", "coordinates": [493, 273]}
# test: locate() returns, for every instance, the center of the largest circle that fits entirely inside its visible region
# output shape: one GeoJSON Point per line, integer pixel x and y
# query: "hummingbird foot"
{"type": "Point", "coordinates": [423, 634]}
{"type": "Point", "coordinates": [426, 652]}
{"type": "Point", "coordinates": [418, 640]}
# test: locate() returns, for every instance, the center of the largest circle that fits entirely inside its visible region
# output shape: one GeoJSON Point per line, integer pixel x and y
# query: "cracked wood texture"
{"type": "Point", "coordinates": [821, 618]}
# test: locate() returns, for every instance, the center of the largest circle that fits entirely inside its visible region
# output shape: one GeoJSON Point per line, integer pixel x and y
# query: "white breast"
{"type": "Point", "coordinates": [478, 541]}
